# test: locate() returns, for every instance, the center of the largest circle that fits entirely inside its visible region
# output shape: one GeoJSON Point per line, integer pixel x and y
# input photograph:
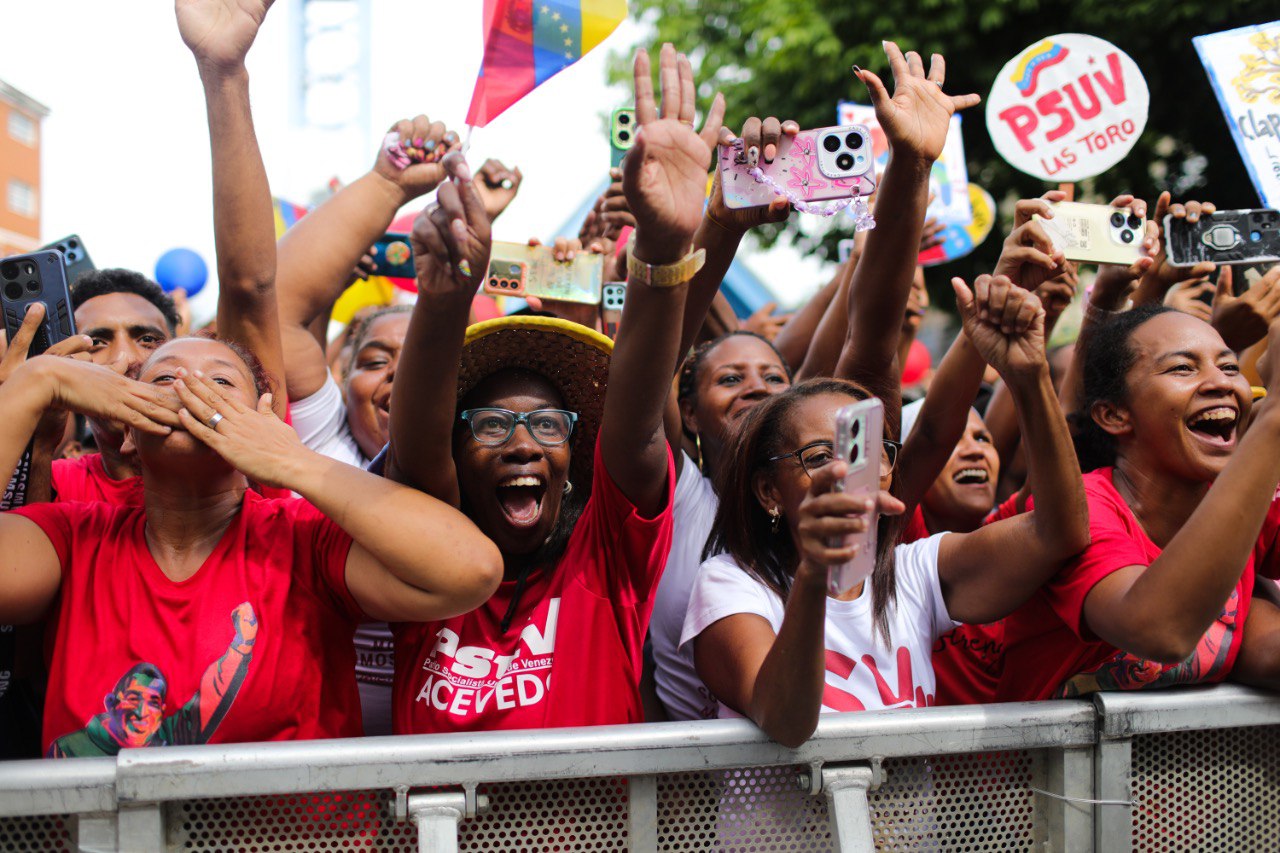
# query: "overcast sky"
{"type": "Point", "coordinates": [126, 153]}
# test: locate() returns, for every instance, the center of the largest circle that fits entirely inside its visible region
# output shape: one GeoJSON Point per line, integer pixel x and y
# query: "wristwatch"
{"type": "Point", "coordinates": [665, 275]}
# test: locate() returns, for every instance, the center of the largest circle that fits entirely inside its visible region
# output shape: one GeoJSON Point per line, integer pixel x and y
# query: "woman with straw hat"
{"type": "Point", "coordinates": [511, 422]}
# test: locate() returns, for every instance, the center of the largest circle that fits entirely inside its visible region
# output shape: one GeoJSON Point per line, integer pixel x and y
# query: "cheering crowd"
{"type": "Point", "coordinates": [546, 525]}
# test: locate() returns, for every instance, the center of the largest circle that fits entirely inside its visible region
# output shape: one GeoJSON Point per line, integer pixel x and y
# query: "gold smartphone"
{"type": "Point", "coordinates": [1095, 233]}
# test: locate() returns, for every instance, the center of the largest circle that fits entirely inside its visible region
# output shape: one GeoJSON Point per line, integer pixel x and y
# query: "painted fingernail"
{"type": "Point", "coordinates": [770, 151]}
{"type": "Point", "coordinates": [753, 156]}
{"type": "Point", "coordinates": [857, 72]}
{"type": "Point", "coordinates": [429, 145]}
{"type": "Point", "coordinates": [417, 141]}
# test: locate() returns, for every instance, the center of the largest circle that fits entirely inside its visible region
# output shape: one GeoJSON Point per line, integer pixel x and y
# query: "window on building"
{"type": "Point", "coordinates": [22, 128]}
{"type": "Point", "coordinates": [22, 197]}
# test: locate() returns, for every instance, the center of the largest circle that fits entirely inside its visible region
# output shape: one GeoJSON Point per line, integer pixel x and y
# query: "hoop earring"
{"type": "Point", "coordinates": [775, 520]}
{"type": "Point", "coordinates": [697, 442]}
{"type": "Point", "coordinates": [568, 488]}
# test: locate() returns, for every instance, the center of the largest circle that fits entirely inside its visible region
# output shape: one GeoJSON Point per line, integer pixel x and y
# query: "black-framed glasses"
{"type": "Point", "coordinates": [494, 427]}
{"type": "Point", "coordinates": [818, 454]}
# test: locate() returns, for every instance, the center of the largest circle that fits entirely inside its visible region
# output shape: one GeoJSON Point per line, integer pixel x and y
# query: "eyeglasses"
{"type": "Point", "coordinates": [494, 427]}
{"type": "Point", "coordinates": [818, 454]}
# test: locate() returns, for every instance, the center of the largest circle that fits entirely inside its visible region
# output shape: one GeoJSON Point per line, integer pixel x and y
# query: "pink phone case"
{"type": "Point", "coordinates": [796, 167]}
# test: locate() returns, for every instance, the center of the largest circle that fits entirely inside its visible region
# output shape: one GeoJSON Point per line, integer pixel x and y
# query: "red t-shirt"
{"type": "Point", "coordinates": [572, 656]}
{"type": "Point", "coordinates": [173, 659]}
{"type": "Point", "coordinates": [86, 480]}
{"type": "Point", "coordinates": [967, 662]}
{"type": "Point", "coordinates": [1050, 651]}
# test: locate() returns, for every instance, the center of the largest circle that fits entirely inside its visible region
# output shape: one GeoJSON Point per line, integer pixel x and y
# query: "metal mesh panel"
{"type": "Point", "coordinates": [555, 816]}
{"type": "Point", "coordinates": [42, 833]}
{"type": "Point", "coordinates": [963, 803]}
{"type": "Point", "coordinates": [743, 811]}
{"type": "Point", "coordinates": [342, 820]}
{"type": "Point", "coordinates": [1209, 791]}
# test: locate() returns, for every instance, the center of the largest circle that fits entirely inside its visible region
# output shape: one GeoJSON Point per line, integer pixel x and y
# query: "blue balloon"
{"type": "Point", "coordinates": [182, 268]}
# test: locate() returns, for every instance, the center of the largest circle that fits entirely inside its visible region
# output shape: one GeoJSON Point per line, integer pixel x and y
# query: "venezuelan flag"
{"type": "Point", "coordinates": [286, 213]}
{"type": "Point", "coordinates": [526, 42]}
{"type": "Point", "coordinates": [1026, 74]}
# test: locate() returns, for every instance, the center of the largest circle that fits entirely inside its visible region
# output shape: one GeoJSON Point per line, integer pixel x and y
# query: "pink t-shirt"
{"type": "Point", "coordinates": [572, 655]}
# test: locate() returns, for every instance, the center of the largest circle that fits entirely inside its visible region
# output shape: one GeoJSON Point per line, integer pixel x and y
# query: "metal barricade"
{"type": "Point", "coordinates": [1166, 770]}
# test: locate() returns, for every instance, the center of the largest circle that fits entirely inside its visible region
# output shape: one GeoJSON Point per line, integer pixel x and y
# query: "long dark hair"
{"type": "Point", "coordinates": [691, 369]}
{"type": "Point", "coordinates": [1107, 361]}
{"type": "Point", "coordinates": [742, 527]}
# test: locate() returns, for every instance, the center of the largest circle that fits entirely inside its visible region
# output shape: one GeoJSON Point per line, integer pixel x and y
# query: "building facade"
{"type": "Point", "coordinates": [20, 118]}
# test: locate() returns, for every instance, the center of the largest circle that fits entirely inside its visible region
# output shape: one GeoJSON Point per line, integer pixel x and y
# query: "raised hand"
{"type": "Point", "coordinates": [1005, 323]}
{"type": "Point", "coordinates": [917, 117]}
{"type": "Point", "coordinates": [220, 32]}
{"type": "Point", "coordinates": [451, 239]}
{"type": "Point", "coordinates": [1157, 280]}
{"type": "Point", "coordinates": [760, 140]}
{"type": "Point", "coordinates": [253, 441]}
{"type": "Point", "coordinates": [1193, 297]}
{"type": "Point", "coordinates": [246, 625]}
{"type": "Point", "coordinates": [18, 350]}
{"type": "Point", "coordinates": [826, 517]}
{"type": "Point", "coordinates": [1243, 320]}
{"type": "Point", "coordinates": [414, 167]}
{"type": "Point", "coordinates": [99, 392]}
{"type": "Point", "coordinates": [497, 186]}
{"type": "Point", "coordinates": [665, 174]}
{"type": "Point", "coordinates": [765, 323]}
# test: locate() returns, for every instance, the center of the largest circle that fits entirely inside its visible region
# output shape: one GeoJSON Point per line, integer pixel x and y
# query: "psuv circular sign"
{"type": "Point", "coordinates": [1067, 108]}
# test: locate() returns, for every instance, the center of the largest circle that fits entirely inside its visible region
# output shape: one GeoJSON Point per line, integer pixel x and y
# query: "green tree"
{"type": "Point", "coordinates": [792, 58]}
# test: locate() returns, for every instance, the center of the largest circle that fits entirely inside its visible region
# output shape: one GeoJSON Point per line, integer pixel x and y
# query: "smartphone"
{"type": "Point", "coordinates": [518, 269]}
{"type": "Point", "coordinates": [612, 296]}
{"type": "Point", "coordinates": [1095, 233]}
{"type": "Point", "coordinates": [1224, 237]}
{"type": "Point", "coordinates": [859, 443]}
{"type": "Point", "coordinates": [622, 134]}
{"type": "Point", "coordinates": [37, 277]}
{"type": "Point", "coordinates": [74, 256]}
{"type": "Point", "coordinates": [815, 165]}
{"type": "Point", "coordinates": [393, 256]}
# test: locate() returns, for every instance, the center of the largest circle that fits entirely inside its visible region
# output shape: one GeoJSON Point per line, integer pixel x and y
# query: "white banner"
{"type": "Point", "coordinates": [1067, 108]}
{"type": "Point", "coordinates": [1244, 69]}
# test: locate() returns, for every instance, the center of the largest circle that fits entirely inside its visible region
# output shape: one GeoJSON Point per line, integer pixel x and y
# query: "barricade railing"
{"type": "Point", "coordinates": [1165, 770]}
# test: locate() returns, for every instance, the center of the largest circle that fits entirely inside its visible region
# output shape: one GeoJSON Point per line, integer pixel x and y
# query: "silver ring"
{"type": "Point", "coordinates": [214, 421]}
{"type": "Point", "coordinates": [507, 184]}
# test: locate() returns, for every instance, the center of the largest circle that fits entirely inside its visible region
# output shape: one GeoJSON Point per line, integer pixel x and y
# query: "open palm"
{"type": "Point", "coordinates": [917, 117]}
{"type": "Point", "coordinates": [220, 32]}
{"type": "Point", "coordinates": [665, 174]}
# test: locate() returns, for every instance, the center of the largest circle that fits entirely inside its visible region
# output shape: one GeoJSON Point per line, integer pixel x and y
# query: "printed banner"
{"type": "Point", "coordinates": [949, 179]}
{"type": "Point", "coordinates": [1244, 69]}
{"type": "Point", "coordinates": [1067, 108]}
{"type": "Point", "coordinates": [960, 240]}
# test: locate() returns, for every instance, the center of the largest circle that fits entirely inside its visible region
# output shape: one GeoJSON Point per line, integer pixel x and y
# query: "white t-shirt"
{"type": "Point", "coordinates": [321, 422]}
{"type": "Point", "coordinates": [861, 673]}
{"type": "Point", "coordinates": [694, 509]}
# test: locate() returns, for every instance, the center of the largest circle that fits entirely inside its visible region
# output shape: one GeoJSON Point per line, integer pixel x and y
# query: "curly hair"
{"type": "Point", "coordinates": [1107, 361]}
{"type": "Point", "coordinates": [103, 282]}
{"type": "Point", "coordinates": [742, 527]}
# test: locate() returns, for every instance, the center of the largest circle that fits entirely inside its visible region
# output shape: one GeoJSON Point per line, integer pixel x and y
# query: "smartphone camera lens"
{"type": "Point", "coordinates": [1117, 220]}
{"type": "Point", "coordinates": [33, 286]}
{"type": "Point", "coordinates": [1134, 221]}
{"type": "Point", "coordinates": [623, 118]}
{"type": "Point", "coordinates": [71, 243]}
{"type": "Point", "coordinates": [9, 270]}
{"type": "Point", "coordinates": [854, 141]}
{"type": "Point", "coordinates": [844, 162]}
{"type": "Point", "coordinates": [854, 452]}
{"type": "Point", "coordinates": [1126, 236]}
{"type": "Point", "coordinates": [855, 428]}
{"type": "Point", "coordinates": [13, 291]}
{"type": "Point", "coordinates": [624, 135]}
{"type": "Point", "coordinates": [831, 143]}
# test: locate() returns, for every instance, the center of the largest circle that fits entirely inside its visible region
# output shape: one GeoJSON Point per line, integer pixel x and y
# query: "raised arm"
{"type": "Point", "coordinates": [390, 575]}
{"type": "Point", "coordinates": [915, 121]}
{"type": "Point", "coordinates": [219, 34]}
{"type": "Point", "coordinates": [664, 177]}
{"type": "Point", "coordinates": [988, 573]}
{"type": "Point", "coordinates": [30, 571]}
{"type": "Point", "coordinates": [318, 254]}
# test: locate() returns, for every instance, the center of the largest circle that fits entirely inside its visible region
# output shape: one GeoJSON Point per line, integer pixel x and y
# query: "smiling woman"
{"type": "Point", "coordinates": [1182, 517]}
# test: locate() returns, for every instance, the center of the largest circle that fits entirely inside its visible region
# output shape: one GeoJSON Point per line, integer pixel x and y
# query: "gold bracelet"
{"type": "Point", "coordinates": [665, 275]}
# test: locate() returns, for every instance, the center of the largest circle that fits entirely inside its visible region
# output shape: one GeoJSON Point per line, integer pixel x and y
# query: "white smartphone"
{"type": "Point", "coordinates": [858, 443]}
{"type": "Point", "coordinates": [1095, 233]}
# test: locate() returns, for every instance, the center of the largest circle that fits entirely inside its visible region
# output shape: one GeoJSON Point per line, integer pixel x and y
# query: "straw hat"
{"type": "Point", "coordinates": [572, 357]}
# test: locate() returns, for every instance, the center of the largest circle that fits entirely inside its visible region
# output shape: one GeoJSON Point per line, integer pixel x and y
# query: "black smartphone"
{"type": "Point", "coordinates": [393, 256]}
{"type": "Point", "coordinates": [1224, 237]}
{"type": "Point", "coordinates": [74, 256]}
{"type": "Point", "coordinates": [37, 277]}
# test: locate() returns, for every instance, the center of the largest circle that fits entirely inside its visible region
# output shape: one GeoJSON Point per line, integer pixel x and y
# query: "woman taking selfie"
{"type": "Point", "coordinates": [512, 422]}
{"type": "Point", "coordinates": [185, 612]}
{"type": "Point", "coordinates": [769, 641]}
{"type": "Point", "coordinates": [1181, 516]}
